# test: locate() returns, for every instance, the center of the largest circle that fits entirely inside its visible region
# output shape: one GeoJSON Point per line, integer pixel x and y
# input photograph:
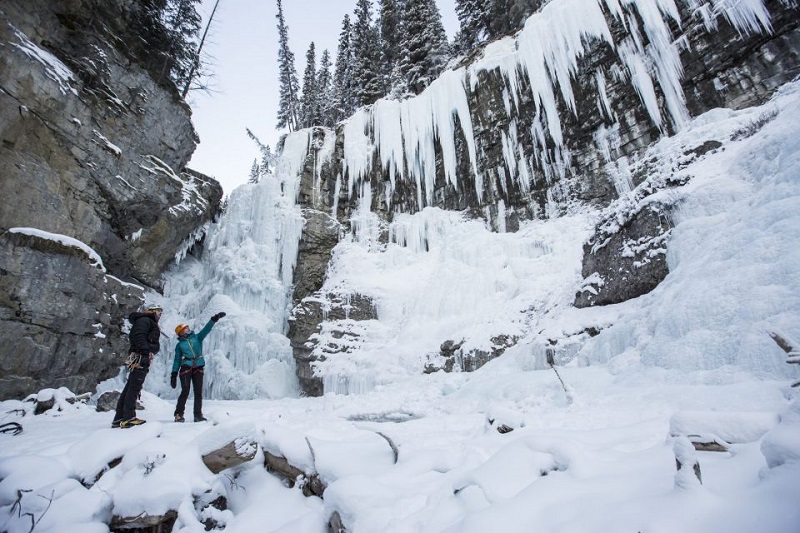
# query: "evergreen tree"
{"type": "Point", "coordinates": [268, 161]}
{"type": "Point", "coordinates": [399, 88]}
{"type": "Point", "coordinates": [391, 50]}
{"type": "Point", "coordinates": [309, 102]}
{"type": "Point", "coordinates": [325, 91]}
{"type": "Point", "coordinates": [267, 158]}
{"type": "Point", "coordinates": [153, 42]}
{"type": "Point", "coordinates": [441, 51]}
{"type": "Point", "coordinates": [183, 24]}
{"type": "Point", "coordinates": [343, 99]}
{"type": "Point", "coordinates": [425, 47]}
{"type": "Point", "coordinates": [507, 16]}
{"type": "Point", "coordinates": [473, 16]}
{"type": "Point", "coordinates": [167, 43]}
{"type": "Point", "coordinates": [197, 78]}
{"type": "Point", "coordinates": [367, 80]}
{"type": "Point", "coordinates": [482, 20]}
{"type": "Point", "coordinates": [353, 68]}
{"type": "Point", "coordinates": [255, 172]}
{"type": "Point", "coordinates": [288, 103]}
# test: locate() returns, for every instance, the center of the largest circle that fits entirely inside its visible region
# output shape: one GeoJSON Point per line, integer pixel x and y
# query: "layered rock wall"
{"type": "Point", "coordinates": [93, 146]}
{"type": "Point", "coordinates": [62, 317]}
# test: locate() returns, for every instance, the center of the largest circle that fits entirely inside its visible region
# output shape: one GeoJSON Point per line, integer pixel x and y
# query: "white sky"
{"type": "Point", "coordinates": [244, 45]}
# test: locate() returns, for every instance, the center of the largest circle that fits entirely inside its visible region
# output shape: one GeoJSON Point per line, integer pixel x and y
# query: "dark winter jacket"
{"type": "Point", "coordinates": [189, 351]}
{"type": "Point", "coordinates": [145, 335]}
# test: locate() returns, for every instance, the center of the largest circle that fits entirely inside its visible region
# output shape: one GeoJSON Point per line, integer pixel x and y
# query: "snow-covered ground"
{"type": "Point", "coordinates": [602, 461]}
{"type": "Point", "coordinates": [594, 454]}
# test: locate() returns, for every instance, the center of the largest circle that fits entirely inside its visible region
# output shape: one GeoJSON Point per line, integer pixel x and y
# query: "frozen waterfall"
{"type": "Point", "coordinates": [245, 269]}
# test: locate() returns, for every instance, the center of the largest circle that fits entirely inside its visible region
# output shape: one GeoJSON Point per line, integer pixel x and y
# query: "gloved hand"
{"type": "Point", "coordinates": [173, 380]}
{"type": "Point", "coordinates": [217, 316]}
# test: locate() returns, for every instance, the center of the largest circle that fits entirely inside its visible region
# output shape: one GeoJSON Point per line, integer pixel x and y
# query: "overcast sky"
{"type": "Point", "coordinates": [244, 46]}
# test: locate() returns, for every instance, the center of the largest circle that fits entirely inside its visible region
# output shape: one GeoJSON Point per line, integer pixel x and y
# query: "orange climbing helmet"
{"type": "Point", "coordinates": [179, 329]}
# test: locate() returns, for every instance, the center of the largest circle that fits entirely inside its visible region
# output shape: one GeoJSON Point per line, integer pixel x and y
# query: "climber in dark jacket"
{"type": "Point", "coordinates": [144, 345]}
{"type": "Point", "coordinates": [189, 364]}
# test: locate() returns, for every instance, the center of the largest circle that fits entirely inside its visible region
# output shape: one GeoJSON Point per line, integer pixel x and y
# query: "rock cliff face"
{"type": "Point", "coordinates": [512, 165]}
{"type": "Point", "coordinates": [61, 317]}
{"type": "Point", "coordinates": [92, 147]}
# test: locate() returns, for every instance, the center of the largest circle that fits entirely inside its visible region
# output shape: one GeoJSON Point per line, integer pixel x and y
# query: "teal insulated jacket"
{"type": "Point", "coordinates": [189, 351]}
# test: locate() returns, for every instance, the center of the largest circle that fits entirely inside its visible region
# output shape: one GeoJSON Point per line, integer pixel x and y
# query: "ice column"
{"type": "Point", "coordinates": [245, 270]}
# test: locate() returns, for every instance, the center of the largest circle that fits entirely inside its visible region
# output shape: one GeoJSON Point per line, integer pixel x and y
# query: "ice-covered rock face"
{"type": "Point", "coordinates": [538, 120]}
{"type": "Point", "coordinates": [443, 230]}
{"type": "Point", "coordinates": [92, 148]}
{"type": "Point", "coordinates": [553, 120]}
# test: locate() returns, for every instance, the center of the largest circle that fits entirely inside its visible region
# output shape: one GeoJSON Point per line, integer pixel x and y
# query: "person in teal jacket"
{"type": "Point", "coordinates": [189, 365]}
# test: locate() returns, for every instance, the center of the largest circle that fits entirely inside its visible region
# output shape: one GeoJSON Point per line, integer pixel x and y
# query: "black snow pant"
{"type": "Point", "coordinates": [126, 405]}
{"type": "Point", "coordinates": [191, 376]}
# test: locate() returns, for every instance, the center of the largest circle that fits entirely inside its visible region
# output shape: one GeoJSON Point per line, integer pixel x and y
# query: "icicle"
{"type": "Point", "coordinates": [664, 54]}
{"type": "Point", "coordinates": [547, 51]}
{"type": "Point", "coordinates": [524, 178]}
{"type": "Point", "coordinates": [450, 100]}
{"type": "Point", "coordinates": [418, 133]}
{"type": "Point", "coordinates": [358, 148]}
{"type": "Point", "coordinates": [706, 12]}
{"type": "Point", "coordinates": [640, 78]}
{"type": "Point", "coordinates": [337, 189]}
{"type": "Point", "coordinates": [295, 150]}
{"type": "Point", "coordinates": [407, 131]}
{"type": "Point", "coordinates": [507, 102]}
{"type": "Point", "coordinates": [323, 155]}
{"type": "Point", "coordinates": [389, 139]}
{"type": "Point", "coordinates": [602, 97]}
{"type": "Point", "coordinates": [622, 177]}
{"type": "Point", "coordinates": [501, 216]}
{"type": "Point", "coordinates": [747, 16]}
{"type": "Point", "coordinates": [510, 143]}
{"type": "Point", "coordinates": [607, 141]}
{"type": "Point", "coordinates": [366, 225]}
{"type": "Point", "coordinates": [193, 238]}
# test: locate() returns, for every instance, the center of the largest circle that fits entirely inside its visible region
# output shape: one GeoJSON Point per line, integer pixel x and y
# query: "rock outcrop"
{"type": "Point", "coordinates": [93, 147]}
{"type": "Point", "coordinates": [340, 316]}
{"type": "Point", "coordinates": [232, 454]}
{"type": "Point", "coordinates": [61, 317]}
{"type": "Point", "coordinates": [452, 357]}
{"type": "Point", "coordinates": [520, 170]}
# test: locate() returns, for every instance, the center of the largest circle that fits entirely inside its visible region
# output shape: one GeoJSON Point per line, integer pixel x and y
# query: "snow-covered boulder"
{"type": "Point", "coordinates": [782, 444]}
{"type": "Point", "coordinates": [716, 430]}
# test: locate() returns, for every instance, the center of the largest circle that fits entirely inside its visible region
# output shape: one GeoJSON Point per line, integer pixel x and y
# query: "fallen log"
{"type": "Point", "coordinates": [156, 523]}
{"type": "Point", "coordinates": [783, 343]}
{"type": "Point", "coordinates": [790, 348]}
{"type": "Point", "coordinates": [311, 484]}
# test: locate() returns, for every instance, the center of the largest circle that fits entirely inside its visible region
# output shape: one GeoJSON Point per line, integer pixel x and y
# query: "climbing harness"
{"type": "Point", "coordinates": [133, 361]}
